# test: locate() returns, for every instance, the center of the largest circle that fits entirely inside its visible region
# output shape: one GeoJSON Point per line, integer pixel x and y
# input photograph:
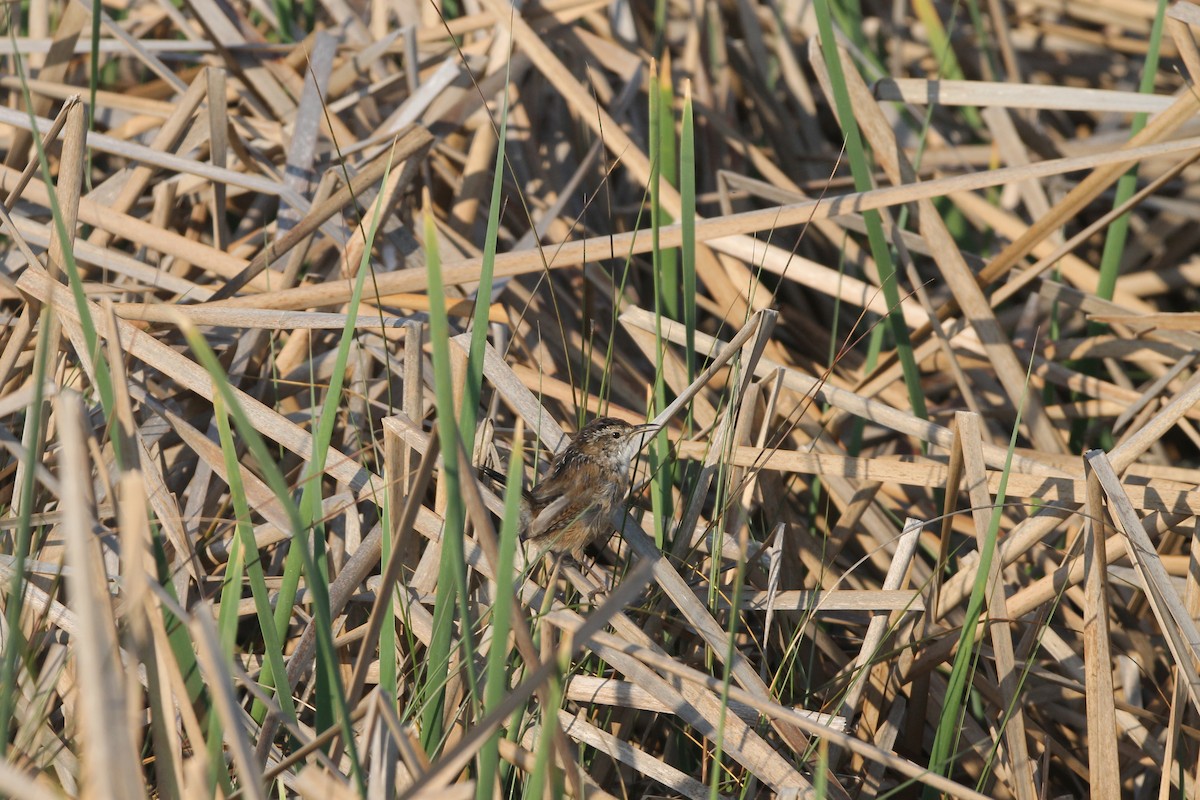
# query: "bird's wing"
{"type": "Point", "coordinates": [545, 493]}
{"type": "Point", "coordinates": [549, 514]}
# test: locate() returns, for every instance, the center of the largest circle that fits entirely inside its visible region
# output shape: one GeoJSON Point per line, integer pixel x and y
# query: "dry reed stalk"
{"type": "Point", "coordinates": [805, 591]}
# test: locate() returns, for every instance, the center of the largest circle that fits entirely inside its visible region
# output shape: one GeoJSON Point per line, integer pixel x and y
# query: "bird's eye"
{"type": "Point", "coordinates": [616, 434]}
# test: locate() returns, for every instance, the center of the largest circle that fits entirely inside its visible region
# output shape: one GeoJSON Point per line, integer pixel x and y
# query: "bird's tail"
{"type": "Point", "coordinates": [501, 480]}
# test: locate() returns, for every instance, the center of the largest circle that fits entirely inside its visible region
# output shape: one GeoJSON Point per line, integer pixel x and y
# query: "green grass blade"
{"type": "Point", "coordinates": [687, 221]}
{"type": "Point", "coordinates": [1118, 231]}
{"type": "Point", "coordinates": [668, 171]}
{"type": "Point", "coordinates": [473, 387]}
{"type": "Point", "coordinates": [451, 585]}
{"type": "Point", "coordinates": [303, 516]}
{"type": "Point", "coordinates": [861, 169]}
{"type": "Point", "coordinates": [32, 442]}
{"type": "Point", "coordinates": [939, 40]}
{"type": "Point", "coordinates": [739, 573]}
{"type": "Point", "coordinates": [659, 450]}
{"type": "Point", "coordinates": [941, 759]}
{"type": "Point", "coordinates": [247, 550]}
{"type": "Point", "coordinates": [496, 686]}
{"type": "Point", "coordinates": [35, 431]}
{"type": "Point", "coordinates": [389, 667]}
{"type": "Point", "coordinates": [231, 581]}
{"type": "Point", "coordinates": [103, 375]}
{"type": "Point", "coordinates": [544, 779]}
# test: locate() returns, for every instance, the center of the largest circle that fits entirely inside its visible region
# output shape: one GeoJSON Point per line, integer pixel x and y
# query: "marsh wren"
{"type": "Point", "coordinates": [573, 504]}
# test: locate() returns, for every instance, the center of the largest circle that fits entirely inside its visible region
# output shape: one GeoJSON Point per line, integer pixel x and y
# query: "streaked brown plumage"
{"type": "Point", "coordinates": [574, 503]}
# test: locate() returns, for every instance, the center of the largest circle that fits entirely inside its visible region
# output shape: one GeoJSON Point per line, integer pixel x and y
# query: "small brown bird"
{"type": "Point", "coordinates": [573, 504]}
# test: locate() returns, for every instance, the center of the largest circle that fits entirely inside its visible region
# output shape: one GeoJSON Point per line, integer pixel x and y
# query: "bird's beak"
{"type": "Point", "coordinates": [642, 434]}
